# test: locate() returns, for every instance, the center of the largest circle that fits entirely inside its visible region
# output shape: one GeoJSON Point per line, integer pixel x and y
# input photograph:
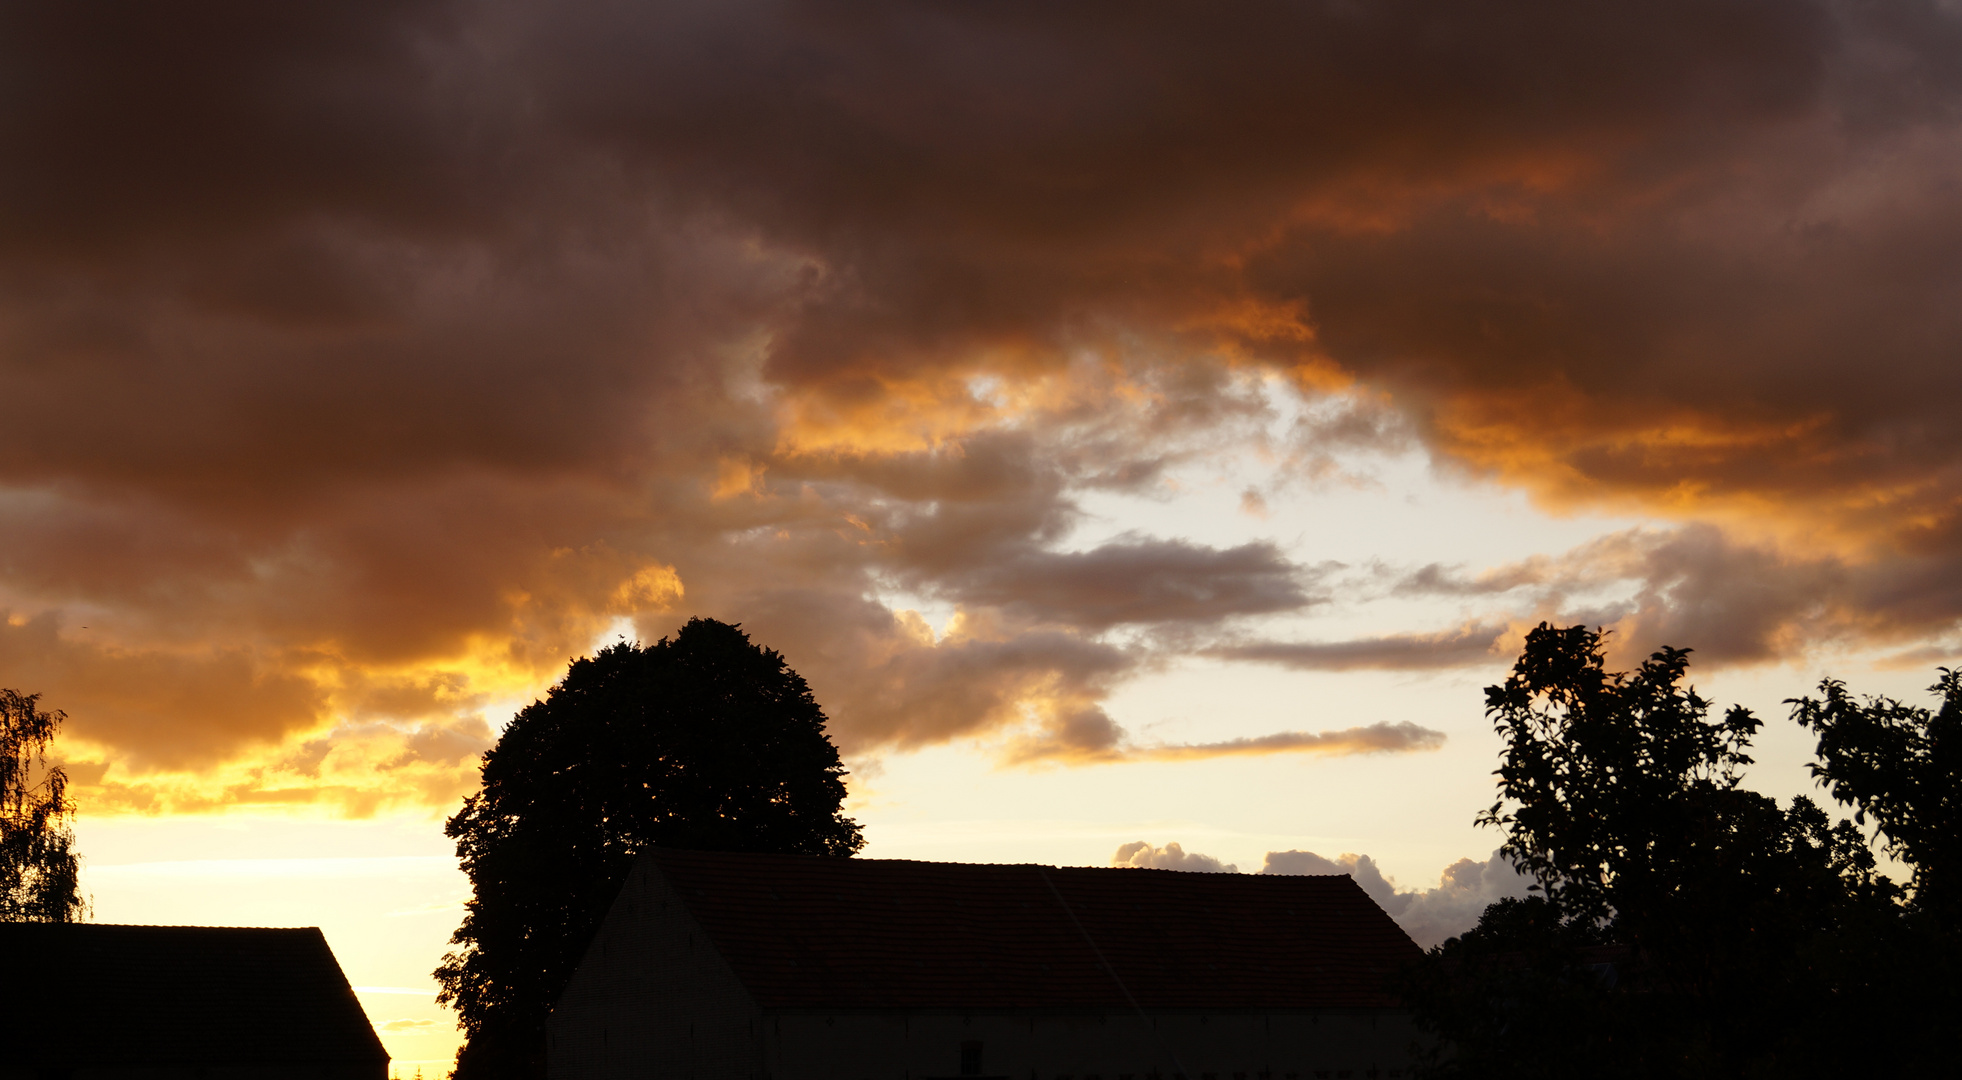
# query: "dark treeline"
{"type": "Point", "coordinates": [1683, 925]}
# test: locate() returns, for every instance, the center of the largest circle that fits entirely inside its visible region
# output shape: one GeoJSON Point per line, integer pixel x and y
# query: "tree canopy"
{"type": "Point", "coordinates": [1683, 924]}
{"type": "Point", "coordinates": [1902, 766]}
{"type": "Point", "coordinates": [39, 872]}
{"type": "Point", "coordinates": [702, 741]}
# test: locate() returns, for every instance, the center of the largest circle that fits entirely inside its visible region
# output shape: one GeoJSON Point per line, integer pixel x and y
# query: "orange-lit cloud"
{"type": "Point", "coordinates": [365, 362]}
{"type": "Point", "coordinates": [1371, 739]}
{"type": "Point", "coordinates": [1473, 644]}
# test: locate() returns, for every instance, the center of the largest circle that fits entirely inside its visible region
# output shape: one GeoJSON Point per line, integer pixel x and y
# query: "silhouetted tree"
{"type": "Point", "coordinates": [1901, 765]}
{"type": "Point", "coordinates": [38, 867]}
{"type": "Point", "coordinates": [704, 741]}
{"type": "Point", "coordinates": [1751, 938]}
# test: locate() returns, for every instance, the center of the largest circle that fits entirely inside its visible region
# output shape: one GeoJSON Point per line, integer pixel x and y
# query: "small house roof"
{"type": "Point", "coordinates": [806, 932]}
{"type": "Point", "coordinates": [86, 993]}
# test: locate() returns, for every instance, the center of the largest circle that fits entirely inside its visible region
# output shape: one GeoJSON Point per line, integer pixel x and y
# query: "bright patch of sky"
{"type": "Point", "coordinates": [387, 893]}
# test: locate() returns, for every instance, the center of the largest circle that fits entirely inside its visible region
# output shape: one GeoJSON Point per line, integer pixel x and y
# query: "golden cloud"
{"type": "Point", "coordinates": [340, 420]}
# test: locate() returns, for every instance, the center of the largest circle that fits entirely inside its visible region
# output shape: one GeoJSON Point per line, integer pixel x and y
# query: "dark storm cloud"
{"type": "Point", "coordinates": [352, 345]}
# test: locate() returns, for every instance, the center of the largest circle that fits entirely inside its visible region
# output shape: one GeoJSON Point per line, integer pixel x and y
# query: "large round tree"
{"type": "Point", "coordinates": [702, 741]}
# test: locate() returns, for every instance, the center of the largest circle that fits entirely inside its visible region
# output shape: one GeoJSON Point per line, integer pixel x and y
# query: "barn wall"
{"type": "Point", "coordinates": [652, 999]}
{"type": "Point", "coordinates": [1090, 1045]}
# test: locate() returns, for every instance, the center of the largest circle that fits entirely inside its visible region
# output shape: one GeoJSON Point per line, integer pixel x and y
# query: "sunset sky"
{"type": "Point", "coordinates": [1140, 422]}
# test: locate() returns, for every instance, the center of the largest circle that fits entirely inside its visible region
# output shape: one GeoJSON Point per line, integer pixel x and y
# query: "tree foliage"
{"type": "Point", "coordinates": [1901, 765]}
{"type": "Point", "coordinates": [702, 741]}
{"type": "Point", "coordinates": [1687, 926]}
{"type": "Point", "coordinates": [39, 870]}
{"type": "Point", "coordinates": [1607, 777]}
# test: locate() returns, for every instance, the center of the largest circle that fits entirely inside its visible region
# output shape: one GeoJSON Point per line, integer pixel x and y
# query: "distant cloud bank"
{"type": "Point", "coordinates": [1465, 889]}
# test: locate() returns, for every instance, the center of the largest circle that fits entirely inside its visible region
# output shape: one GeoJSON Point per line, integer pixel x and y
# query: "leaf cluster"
{"type": "Point", "coordinates": [1608, 778]}
{"type": "Point", "coordinates": [1901, 766]}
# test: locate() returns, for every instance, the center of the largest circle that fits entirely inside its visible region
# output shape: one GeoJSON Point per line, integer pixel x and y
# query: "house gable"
{"type": "Point", "coordinates": [653, 996]}
{"type": "Point", "coordinates": [96, 1000]}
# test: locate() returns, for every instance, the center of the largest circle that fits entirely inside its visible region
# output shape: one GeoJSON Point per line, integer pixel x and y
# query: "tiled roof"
{"type": "Point", "coordinates": [807, 932]}
{"type": "Point", "coordinates": [88, 994]}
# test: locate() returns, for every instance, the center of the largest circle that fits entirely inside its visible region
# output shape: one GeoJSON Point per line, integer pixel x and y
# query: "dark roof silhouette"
{"type": "Point", "coordinates": [89, 994]}
{"type": "Point", "coordinates": [805, 932]}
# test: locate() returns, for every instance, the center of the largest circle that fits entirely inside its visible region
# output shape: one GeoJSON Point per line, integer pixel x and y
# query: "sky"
{"type": "Point", "coordinates": [1143, 424]}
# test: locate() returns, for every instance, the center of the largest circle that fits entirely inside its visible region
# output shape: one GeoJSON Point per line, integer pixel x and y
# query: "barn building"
{"type": "Point", "coordinates": [82, 1001]}
{"type": "Point", "coordinates": [714, 966]}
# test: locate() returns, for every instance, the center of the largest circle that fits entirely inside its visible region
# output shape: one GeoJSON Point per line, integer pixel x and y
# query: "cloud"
{"type": "Point", "coordinates": [407, 1024]}
{"type": "Point", "coordinates": [1732, 600]}
{"type": "Point", "coordinates": [1465, 889]}
{"type": "Point", "coordinates": [139, 701]}
{"type": "Point", "coordinates": [1031, 689]}
{"type": "Point", "coordinates": [1169, 857]}
{"type": "Point", "coordinates": [1360, 867]}
{"type": "Point", "coordinates": [892, 682]}
{"type": "Point", "coordinates": [1470, 644]}
{"type": "Point", "coordinates": [366, 362]}
{"type": "Point", "coordinates": [1378, 738]}
{"type": "Point", "coordinates": [1141, 581]}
